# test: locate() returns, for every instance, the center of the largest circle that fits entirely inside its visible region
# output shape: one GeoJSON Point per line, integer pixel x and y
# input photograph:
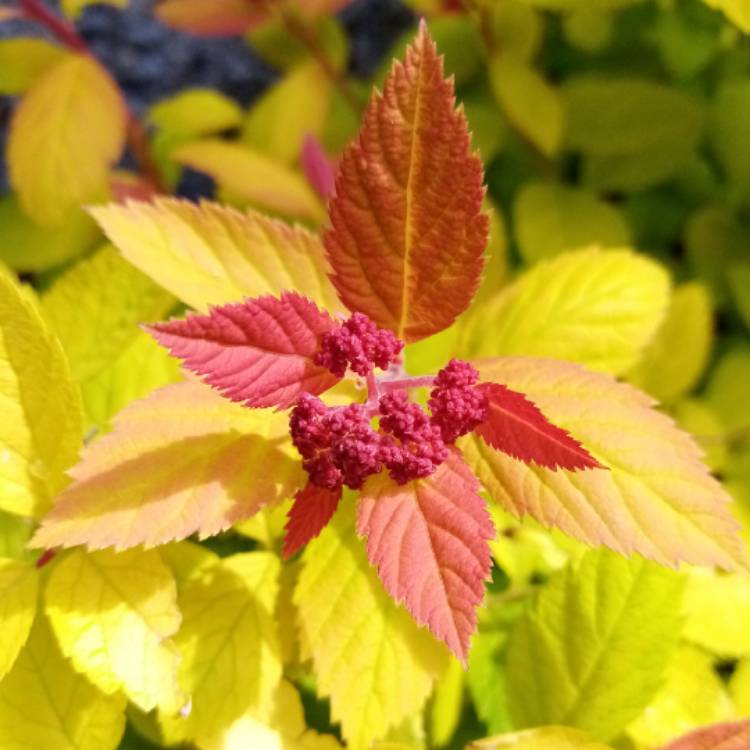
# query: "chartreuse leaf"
{"type": "Point", "coordinates": [411, 268]}
{"type": "Point", "coordinates": [551, 218]}
{"type": "Point", "coordinates": [44, 703]}
{"type": "Point", "coordinates": [230, 658]}
{"type": "Point", "coordinates": [74, 8]}
{"type": "Point", "coordinates": [738, 12]}
{"type": "Point", "coordinates": [517, 28]}
{"type": "Point", "coordinates": [183, 460]}
{"type": "Point", "coordinates": [678, 353]}
{"type": "Point", "coordinates": [691, 695]}
{"type": "Point", "coordinates": [22, 60]}
{"type": "Point", "coordinates": [18, 595]}
{"type": "Point", "coordinates": [727, 736]}
{"type": "Point", "coordinates": [599, 308]}
{"type": "Point", "coordinates": [656, 497]}
{"type": "Point", "coordinates": [282, 728]}
{"type": "Point", "coordinates": [254, 178]}
{"type": "Point", "coordinates": [40, 432]}
{"type": "Point", "coordinates": [545, 738]}
{"type": "Point", "coordinates": [66, 133]}
{"type": "Point", "coordinates": [208, 254]}
{"type": "Point", "coordinates": [370, 658]}
{"type": "Point", "coordinates": [730, 109]}
{"type": "Point", "coordinates": [447, 704]}
{"type": "Point", "coordinates": [113, 615]}
{"type": "Point", "coordinates": [296, 106]}
{"type": "Point", "coordinates": [591, 652]}
{"type": "Point", "coordinates": [15, 532]}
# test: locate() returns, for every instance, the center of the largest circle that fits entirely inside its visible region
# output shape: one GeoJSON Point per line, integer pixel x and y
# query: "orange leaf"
{"type": "Point", "coordinates": [215, 18]}
{"type": "Point", "coordinates": [727, 736]}
{"type": "Point", "coordinates": [407, 232]}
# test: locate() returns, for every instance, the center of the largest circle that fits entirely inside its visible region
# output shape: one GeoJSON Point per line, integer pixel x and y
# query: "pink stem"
{"type": "Point", "coordinates": [402, 383]}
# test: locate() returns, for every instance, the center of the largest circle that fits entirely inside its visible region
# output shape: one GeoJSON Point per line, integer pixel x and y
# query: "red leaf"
{"type": "Point", "coordinates": [515, 426]}
{"type": "Point", "coordinates": [408, 232]}
{"type": "Point", "coordinates": [428, 540]}
{"type": "Point", "coordinates": [726, 736]}
{"type": "Point", "coordinates": [313, 508]}
{"type": "Point", "coordinates": [258, 351]}
{"type": "Point", "coordinates": [318, 167]}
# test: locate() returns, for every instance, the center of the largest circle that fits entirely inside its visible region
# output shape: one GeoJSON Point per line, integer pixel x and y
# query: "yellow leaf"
{"type": "Point", "coordinates": [73, 8]}
{"type": "Point", "coordinates": [18, 594]}
{"type": "Point", "coordinates": [194, 112]}
{"type": "Point", "coordinates": [739, 688]}
{"type": "Point", "coordinates": [228, 644]}
{"type": "Point", "coordinates": [283, 729]}
{"type": "Point", "coordinates": [532, 105]}
{"type": "Point", "coordinates": [22, 60]}
{"type": "Point", "coordinates": [266, 526]}
{"type": "Point", "coordinates": [183, 460]}
{"type": "Point", "coordinates": [66, 133]}
{"type": "Point", "coordinates": [254, 178]}
{"type": "Point", "coordinates": [113, 615]}
{"type": "Point", "coordinates": [544, 738]}
{"type": "Point", "coordinates": [677, 355]}
{"type": "Point", "coordinates": [186, 560]}
{"type": "Point", "coordinates": [737, 11]}
{"type": "Point", "coordinates": [447, 704]}
{"type": "Point", "coordinates": [599, 308]}
{"type": "Point", "coordinates": [656, 498]}
{"type": "Point", "coordinates": [45, 704]}
{"type": "Point", "coordinates": [208, 255]}
{"type": "Point", "coordinates": [294, 107]}
{"type": "Point", "coordinates": [370, 658]}
{"type": "Point", "coordinates": [40, 430]}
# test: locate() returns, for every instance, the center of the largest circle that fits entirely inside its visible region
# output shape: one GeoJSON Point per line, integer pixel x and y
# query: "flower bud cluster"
{"type": "Point", "coordinates": [456, 404]}
{"type": "Point", "coordinates": [358, 343]}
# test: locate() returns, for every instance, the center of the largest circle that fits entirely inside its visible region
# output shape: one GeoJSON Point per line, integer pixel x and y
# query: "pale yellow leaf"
{"type": "Point", "coordinates": [113, 615]}
{"type": "Point", "coordinates": [210, 255]}
{"type": "Point", "coordinates": [65, 135]}
{"type": "Point", "coordinates": [18, 595]}
{"type": "Point", "coordinates": [40, 429]}
{"type": "Point", "coordinates": [22, 60]}
{"type": "Point", "coordinates": [656, 497]}
{"type": "Point", "coordinates": [544, 738]}
{"type": "Point", "coordinates": [370, 658]}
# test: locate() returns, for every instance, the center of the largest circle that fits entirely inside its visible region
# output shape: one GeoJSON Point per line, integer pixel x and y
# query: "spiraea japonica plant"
{"type": "Point", "coordinates": [300, 386]}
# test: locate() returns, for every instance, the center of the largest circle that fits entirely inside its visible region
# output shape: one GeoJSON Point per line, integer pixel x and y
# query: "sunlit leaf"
{"type": "Point", "coordinates": [18, 595]}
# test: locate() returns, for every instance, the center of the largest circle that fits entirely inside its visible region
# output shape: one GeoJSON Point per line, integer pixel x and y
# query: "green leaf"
{"type": "Point", "coordinates": [23, 59]}
{"type": "Point", "coordinates": [41, 430]}
{"type": "Point", "coordinates": [370, 658]}
{"type": "Point", "coordinates": [737, 11]}
{"type": "Point", "coordinates": [676, 357]}
{"type": "Point", "coordinates": [18, 595]}
{"type": "Point", "coordinates": [45, 704]}
{"type": "Point", "coordinates": [447, 704]}
{"type": "Point", "coordinates": [550, 218]}
{"type": "Point", "coordinates": [15, 532]}
{"type": "Point", "coordinates": [113, 615]}
{"type": "Point", "coordinates": [545, 738]}
{"type": "Point", "coordinates": [592, 651]}
{"type": "Point", "coordinates": [597, 308]}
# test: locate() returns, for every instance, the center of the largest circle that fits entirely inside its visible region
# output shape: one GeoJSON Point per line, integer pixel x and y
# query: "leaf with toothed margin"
{"type": "Point", "coordinates": [514, 425]}
{"type": "Point", "coordinates": [428, 540]}
{"type": "Point", "coordinates": [313, 508]}
{"type": "Point", "coordinates": [258, 352]}
{"type": "Point", "coordinates": [731, 735]}
{"type": "Point", "coordinates": [656, 498]}
{"type": "Point", "coordinates": [184, 460]}
{"type": "Point", "coordinates": [407, 232]}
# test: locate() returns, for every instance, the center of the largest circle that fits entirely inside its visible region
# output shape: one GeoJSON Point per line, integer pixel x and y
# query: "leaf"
{"type": "Point", "coordinates": [428, 540]}
{"type": "Point", "coordinates": [313, 508]}
{"type": "Point", "coordinates": [533, 106]}
{"type": "Point", "coordinates": [15, 532]}
{"type": "Point", "coordinates": [196, 111]}
{"type": "Point", "coordinates": [253, 178]}
{"type": "Point", "coordinates": [676, 357]}
{"type": "Point", "coordinates": [113, 615]}
{"type": "Point", "coordinates": [544, 738]}
{"type": "Point", "coordinates": [18, 595]}
{"type": "Point", "coordinates": [23, 60]}
{"type": "Point", "coordinates": [318, 167]}
{"type": "Point", "coordinates": [727, 736]}
{"type": "Point", "coordinates": [602, 633]}
{"type": "Point", "coordinates": [41, 430]}
{"type": "Point", "coordinates": [657, 499]}
{"type": "Point", "coordinates": [73, 8]}
{"type": "Point", "coordinates": [219, 18]}
{"type": "Point", "coordinates": [259, 352]}
{"type": "Point", "coordinates": [370, 659]}
{"type": "Point", "coordinates": [599, 308]}
{"type": "Point", "coordinates": [514, 425]}
{"type": "Point", "coordinates": [183, 460]}
{"type": "Point", "coordinates": [45, 704]}
{"type": "Point", "coordinates": [727, 135]}
{"type": "Point", "coordinates": [208, 254]}
{"type": "Point", "coordinates": [447, 705]}
{"type": "Point", "coordinates": [229, 645]}
{"type": "Point", "coordinates": [65, 135]}
{"type": "Point", "coordinates": [739, 14]}
{"type": "Point", "coordinates": [411, 268]}
{"type": "Point", "coordinates": [550, 218]}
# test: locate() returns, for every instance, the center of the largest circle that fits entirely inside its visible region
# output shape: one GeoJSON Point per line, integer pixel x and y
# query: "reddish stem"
{"type": "Point", "coordinates": [403, 383]}
{"type": "Point", "coordinates": [36, 10]}
{"type": "Point", "coordinates": [46, 557]}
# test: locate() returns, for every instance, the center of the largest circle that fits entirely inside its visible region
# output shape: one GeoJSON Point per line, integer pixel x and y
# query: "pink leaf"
{"type": "Point", "coordinates": [727, 736]}
{"type": "Point", "coordinates": [428, 540]}
{"type": "Point", "coordinates": [514, 425]}
{"type": "Point", "coordinates": [318, 168]}
{"type": "Point", "coordinates": [259, 351]}
{"type": "Point", "coordinates": [313, 508]}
